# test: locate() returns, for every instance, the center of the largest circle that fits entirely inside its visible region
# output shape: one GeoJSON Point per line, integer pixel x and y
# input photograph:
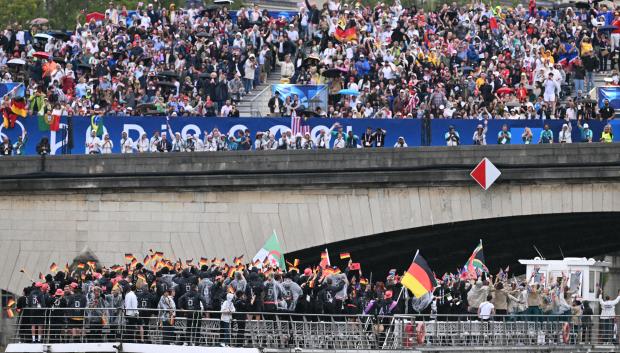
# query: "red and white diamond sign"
{"type": "Point", "coordinates": [485, 173]}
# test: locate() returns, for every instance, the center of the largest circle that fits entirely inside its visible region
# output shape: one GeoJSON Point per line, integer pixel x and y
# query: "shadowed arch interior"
{"type": "Point", "coordinates": [506, 240]}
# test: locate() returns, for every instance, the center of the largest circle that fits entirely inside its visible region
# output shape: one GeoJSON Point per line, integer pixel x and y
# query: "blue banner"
{"type": "Point", "coordinates": [136, 126]}
{"type": "Point", "coordinates": [466, 129]}
{"type": "Point", "coordinates": [609, 92]}
{"type": "Point", "coordinates": [307, 93]}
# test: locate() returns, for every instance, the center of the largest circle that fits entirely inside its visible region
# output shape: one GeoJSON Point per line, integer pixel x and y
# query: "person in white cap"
{"type": "Point", "coordinates": [93, 143]}
{"type": "Point", "coordinates": [564, 136]}
{"type": "Point", "coordinates": [106, 144]}
{"type": "Point", "coordinates": [586, 133]}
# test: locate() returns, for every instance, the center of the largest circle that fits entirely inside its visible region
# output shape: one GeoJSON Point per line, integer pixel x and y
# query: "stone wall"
{"type": "Point", "coordinates": [227, 204]}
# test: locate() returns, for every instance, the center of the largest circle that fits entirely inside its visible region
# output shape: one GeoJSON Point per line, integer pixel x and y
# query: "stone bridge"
{"type": "Point", "coordinates": [380, 205]}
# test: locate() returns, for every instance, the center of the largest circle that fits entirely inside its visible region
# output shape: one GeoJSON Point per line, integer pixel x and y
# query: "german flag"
{"type": "Point", "coordinates": [53, 267]}
{"type": "Point", "coordinates": [345, 255]}
{"type": "Point", "coordinates": [203, 261]}
{"type": "Point", "coordinates": [66, 267]}
{"type": "Point", "coordinates": [80, 266]}
{"type": "Point", "coordinates": [419, 277]}
{"type": "Point", "coordinates": [9, 313]}
{"type": "Point", "coordinates": [18, 107]}
{"type": "Point", "coordinates": [363, 281]}
{"type": "Point", "coordinates": [189, 262]}
{"type": "Point", "coordinates": [134, 262]}
{"type": "Point", "coordinates": [91, 264]}
{"type": "Point", "coordinates": [355, 266]}
{"type": "Point", "coordinates": [147, 260]}
{"type": "Point", "coordinates": [238, 260]}
{"type": "Point", "coordinates": [128, 257]}
{"type": "Point", "coordinates": [10, 302]}
{"type": "Point", "coordinates": [346, 35]}
{"type": "Point", "coordinates": [293, 266]}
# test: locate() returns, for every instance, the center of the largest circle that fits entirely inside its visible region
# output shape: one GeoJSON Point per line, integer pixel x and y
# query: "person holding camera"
{"type": "Point", "coordinates": [452, 137]}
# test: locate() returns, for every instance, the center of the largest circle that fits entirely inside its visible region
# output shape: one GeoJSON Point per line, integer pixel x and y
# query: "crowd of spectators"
{"type": "Point", "coordinates": [241, 291]}
{"type": "Point", "coordinates": [472, 61]}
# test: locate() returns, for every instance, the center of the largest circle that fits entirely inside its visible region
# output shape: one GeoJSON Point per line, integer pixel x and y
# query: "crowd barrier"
{"type": "Point", "coordinates": [283, 330]}
{"type": "Point", "coordinates": [74, 131]}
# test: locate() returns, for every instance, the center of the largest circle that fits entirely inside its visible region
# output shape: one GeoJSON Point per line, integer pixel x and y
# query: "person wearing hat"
{"type": "Point", "coordinates": [57, 315]}
{"type": "Point", "coordinates": [585, 132]}
{"type": "Point", "coordinates": [249, 67]}
{"type": "Point", "coordinates": [480, 135]}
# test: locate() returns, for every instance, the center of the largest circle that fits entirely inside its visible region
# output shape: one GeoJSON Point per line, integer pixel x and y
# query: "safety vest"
{"type": "Point", "coordinates": [607, 137]}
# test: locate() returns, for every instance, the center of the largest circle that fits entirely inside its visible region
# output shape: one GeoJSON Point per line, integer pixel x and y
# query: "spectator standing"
{"type": "Point", "coordinates": [546, 135]}
{"type": "Point", "coordinates": [504, 136]}
{"type": "Point", "coordinates": [607, 112]}
{"type": "Point", "coordinates": [106, 144]}
{"type": "Point", "coordinates": [249, 72]}
{"type": "Point", "coordinates": [276, 105]}
{"type": "Point", "coordinates": [608, 315]}
{"type": "Point", "coordinates": [452, 137]}
{"type": "Point", "coordinates": [400, 143]}
{"type": "Point", "coordinates": [480, 135]}
{"type": "Point", "coordinates": [227, 310]}
{"type": "Point", "coordinates": [93, 143]}
{"type": "Point", "coordinates": [486, 310]}
{"type": "Point", "coordinates": [565, 135]}
{"type": "Point", "coordinates": [126, 143]}
{"type": "Point", "coordinates": [607, 135]}
{"type": "Point", "coordinates": [6, 148]}
{"type": "Point", "coordinates": [20, 145]}
{"type": "Point", "coordinates": [586, 133]}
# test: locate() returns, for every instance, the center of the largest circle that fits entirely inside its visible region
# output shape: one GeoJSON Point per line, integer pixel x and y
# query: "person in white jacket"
{"type": "Point", "coordinates": [228, 308]}
{"type": "Point", "coordinates": [126, 143]}
{"type": "Point", "coordinates": [106, 144]}
{"type": "Point", "coordinates": [210, 145]}
{"type": "Point", "coordinates": [400, 143]}
{"type": "Point", "coordinates": [564, 136]}
{"type": "Point", "coordinates": [142, 145]}
{"type": "Point", "coordinates": [339, 142]}
{"type": "Point", "coordinates": [154, 141]}
{"type": "Point", "coordinates": [608, 314]}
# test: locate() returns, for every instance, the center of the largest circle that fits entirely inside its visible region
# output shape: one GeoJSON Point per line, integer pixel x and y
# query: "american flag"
{"type": "Point", "coordinates": [296, 126]}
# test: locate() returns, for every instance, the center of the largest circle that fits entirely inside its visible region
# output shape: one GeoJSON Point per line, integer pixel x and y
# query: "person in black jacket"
{"type": "Point", "coordinates": [164, 145]}
{"type": "Point", "coordinates": [276, 105]}
{"type": "Point", "coordinates": [191, 301]}
{"type": "Point", "coordinates": [146, 302]}
{"type": "Point", "coordinates": [43, 147]}
{"type": "Point", "coordinates": [241, 307]}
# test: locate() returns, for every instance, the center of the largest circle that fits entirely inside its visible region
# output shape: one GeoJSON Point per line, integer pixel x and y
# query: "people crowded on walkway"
{"type": "Point", "coordinates": [130, 296]}
{"type": "Point", "coordinates": [393, 61]}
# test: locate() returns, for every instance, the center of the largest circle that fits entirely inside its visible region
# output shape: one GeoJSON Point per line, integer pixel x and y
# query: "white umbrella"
{"type": "Point", "coordinates": [43, 36]}
{"type": "Point", "coordinates": [16, 62]}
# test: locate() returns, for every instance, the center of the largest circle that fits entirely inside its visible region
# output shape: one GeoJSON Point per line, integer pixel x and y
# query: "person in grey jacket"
{"type": "Point", "coordinates": [167, 314]}
{"type": "Point", "coordinates": [292, 292]}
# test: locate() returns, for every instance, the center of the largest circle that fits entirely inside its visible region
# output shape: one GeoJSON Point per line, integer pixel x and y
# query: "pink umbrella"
{"type": "Point", "coordinates": [41, 55]}
{"type": "Point", "coordinates": [97, 16]}
{"type": "Point", "coordinates": [504, 90]}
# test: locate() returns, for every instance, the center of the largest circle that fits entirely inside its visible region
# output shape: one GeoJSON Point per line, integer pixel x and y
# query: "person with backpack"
{"type": "Point", "coordinates": [76, 302]}
{"type": "Point", "coordinates": [36, 303]}
{"type": "Point", "coordinates": [193, 304]}
{"type": "Point", "coordinates": [146, 302]}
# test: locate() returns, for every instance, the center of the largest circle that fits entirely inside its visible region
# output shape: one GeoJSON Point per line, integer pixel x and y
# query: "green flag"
{"type": "Point", "coordinates": [272, 251]}
{"type": "Point", "coordinates": [44, 122]}
{"type": "Point", "coordinates": [96, 123]}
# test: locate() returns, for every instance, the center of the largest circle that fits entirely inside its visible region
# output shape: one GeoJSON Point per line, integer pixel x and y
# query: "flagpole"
{"type": "Point", "coordinates": [416, 254]}
{"type": "Point", "coordinates": [327, 253]}
{"type": "Point", "coordinates": [403, 287]}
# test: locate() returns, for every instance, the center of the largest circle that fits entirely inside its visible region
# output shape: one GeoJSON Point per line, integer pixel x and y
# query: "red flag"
{"type": "Point", "coordinates": [355, 266]}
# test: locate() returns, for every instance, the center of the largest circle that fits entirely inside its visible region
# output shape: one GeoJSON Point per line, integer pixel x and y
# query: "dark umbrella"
{"type": "Point", "coordinates": [582, 5]}
{"type": "Point", "coordinates": [467, 68]}
{"type": "Point", "coordinates": [145, 106]}
{"type": "Point", "coordinates": [60, 35]}
{"type": "Point", "coordinates": [201, 35]}
{"type": "Point", "coordinates": [83, 66]}
{"type": "Point", "coordinates": [308, 113]}
{"type": "Point", "coordinates": [205, 75]}
{"type": "Point", "coordinates": [212, 7]}
{"type": "Point", "coordinates": [166, 84]}
{"type": "Point", "coordinates": [562, 6]}
{"type": "Point", "coordinates": [332, 73]}
{"type": "Point", "coordinates": [608, 28]}
{"type": "Point", "coordinates": [59, 60]}
{"type": "Point", "coordinates": [168, 74]}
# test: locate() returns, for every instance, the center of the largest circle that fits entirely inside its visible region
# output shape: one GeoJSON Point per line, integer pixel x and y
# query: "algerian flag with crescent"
{"type": "Point", "coordinates": [271, 251]}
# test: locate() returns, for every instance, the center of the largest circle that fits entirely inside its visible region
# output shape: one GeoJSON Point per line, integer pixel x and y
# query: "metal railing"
{"type": "Point", "coordinates": [282, 330]}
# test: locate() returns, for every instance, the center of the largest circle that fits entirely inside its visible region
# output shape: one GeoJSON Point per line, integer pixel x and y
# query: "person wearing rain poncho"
{"type": "Point", "coordinates": [228, 308]}
{"type": "Point", "coordinates": [400, 143]}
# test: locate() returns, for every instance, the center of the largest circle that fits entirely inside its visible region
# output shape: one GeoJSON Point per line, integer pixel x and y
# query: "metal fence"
{"type": "Point", "coordinates": [303, 331]}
